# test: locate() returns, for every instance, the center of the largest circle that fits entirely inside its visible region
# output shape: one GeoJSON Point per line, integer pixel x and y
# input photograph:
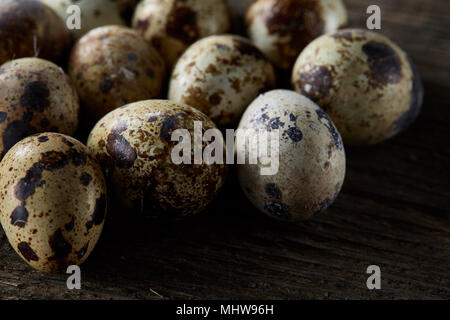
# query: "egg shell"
{"type": "Point", "coordinates": [311, 157]}
{"type": "Point", "coordinates": [112, 66]}
{"type": "Point", "coordinates": [282, 28]}
{"type": "Point", "coordinates": [93, 13]}
{"type": "Point", "coordinates": [53, 201]}
{"type": "Point", "coordinates": [133, 145]}
{"type": "Point", "coordinates": [172, 25]}
{"type": "Point", "coordinates": [221, 75]}
{"type": "Point", "coordinates": [35, 96]}
{"type": "Point", "coordinates": [31, 29]}
{"type": "Point", "coordinates": [364, 81]}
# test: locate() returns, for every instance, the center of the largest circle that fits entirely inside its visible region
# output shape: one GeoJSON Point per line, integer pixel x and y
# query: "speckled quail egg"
{"type": "Point", "coordinates": [134, 145]}
{"type": "Point", "coordinates": [220, 75]}
{"type": "Point", "coordinates": [31, 29]}
{"type": "Point", "coordinates": [238, 9]}
{"type": "Point", "coordinates": [172, 25]}
{"type": "Point", "coordinates": [35, 96]}
{"type": "Point", "coordinates": [112, 66]}
{"type": "Point", "coordinates": [311, 166]}
{"type": "Point", "coordinates": [93, 13]}
{"type": "Point", "coordinates": [53, 201]}
{"type": "Point", "coordinates": [282, 28]}
{"type": "Point", "coordinates": [364, 81]}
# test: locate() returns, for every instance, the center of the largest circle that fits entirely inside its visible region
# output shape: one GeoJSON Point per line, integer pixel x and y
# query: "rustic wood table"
{"type": "Point", "coordinates": [393, 212]}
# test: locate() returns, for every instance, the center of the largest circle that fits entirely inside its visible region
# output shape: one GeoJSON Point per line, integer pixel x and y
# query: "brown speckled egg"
{"type": "Point", "coordinates": [282, 28]}
{"type": "Point", "coordinates": [35, 96]}
{"type": "Point", "coordinates": [364, 81]}
{"type": "Point", "coordinates": [94, 13]}
{"type": "Point", "coordinates": [112, 66]}
{"type": "Point", "coordinates": [31, 29]}
{"type": "Point", "coordinates": [134, 146]}
{"type": "Point", "coordinates": [53, 201]}
{"type": "Point", "coordinates": [172, 25]}
{"type": "Point", "coordinates": [220, 75]}
{"type": "Point", "coordinates": [311, 167]}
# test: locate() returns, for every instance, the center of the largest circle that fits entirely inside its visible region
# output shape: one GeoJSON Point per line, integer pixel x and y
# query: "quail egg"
{"type": "Point", "coordinates": [134, 145]}
{"type": "Point", "coordinates": [112, 66]}
{"type": "Point", "coordinates": [53, 201]}
{"type": "Point", "coordinates": [282, 28]}
{"type": "Point", "coordinates": [364, 81]}
{"type": "Point", "coordinates": [93, 13]}
{"type": "Point", "coordinates": [311, 157]}
{"type": "Point", "coordinates": [220, 75]}
{"type": "Point", "coordinates": [31, 29]}
{"type": "Point", "coordinates": [35, 96]}
{"type": "Point", "coordinates": [172, 25]}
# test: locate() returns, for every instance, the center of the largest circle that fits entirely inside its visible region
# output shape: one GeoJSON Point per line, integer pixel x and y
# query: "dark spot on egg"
{"type": "Point", "coordinates": [299, 21]}
{"type": "Point", "coordinates": [119, 148]}
{"type": "Point", "coordinates": [69, 226]}
{"type": "Point", "coordinates": [3, 116]}
{"type": "Point", "coordinates": [78, 158]}
{"type": "Point", "coordinates": [51, 160]}
{"type": "Point", "coordinates": [36, 96]}
{"type": "Point", "coordinates": [292, 117]}
{"type": "Point", "coordinates": [19, 216]}
{"type": "Point", "coordinates": [316, 82]}
{"type": "Point", "coordinates": [82, 252]}
{"type": "Point", "coordinates": [215, 98]}
{"type": "Point", "coordinates": [85, 179]}
{"type": "Point", "coordinates": [32, 180]}
{"type": "Point", "coordinates": [295, 134]}
{"type": "Point", "coordinates": [182, 23]}
{"type": "Point", "coordinates": [278, 209]}
{"type": "Point", "coordinates": [343, 35]}
{"type": "Point", "coordinates": [168, 125]}
{"type": "Point", "coordinates": [384, 63]}
{"type": "Point", "coordinates": [331, 128]}
{"type": "Point", "coordinates": [143, 25]}
{"type": "Point", "coordinates": [59, 245]}
{"type": "Point", "coordinates": [273, 191]}
{"type": "Point", "coordinates": [43, 139]}
{"type": "Point", "coordinates": [275, 123]}
{"type": "Point", "coordinates": [99, 212]}
{"type": "Point", "coordinates": [26, 251]}
{"type": "Point", "coordinates": [16, 131]}
{"type": "Point", "coordinates": [107, 84]}
{"type": "Point", "coordinates": [68, 143]}
{"type": "Point", "coordinates": [222, 47]}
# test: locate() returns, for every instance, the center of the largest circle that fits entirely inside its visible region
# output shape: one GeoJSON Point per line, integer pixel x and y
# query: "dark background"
{"type": "Point", "coordinates": [392, 212]}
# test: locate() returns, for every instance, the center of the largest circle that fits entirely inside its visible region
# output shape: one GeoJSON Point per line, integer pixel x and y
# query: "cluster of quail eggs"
{"type": "Point", "coordinates": [137, 71]}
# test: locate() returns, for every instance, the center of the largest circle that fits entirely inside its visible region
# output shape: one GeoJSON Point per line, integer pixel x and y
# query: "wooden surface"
{"type": "Point", "coordinates": [393, 212]}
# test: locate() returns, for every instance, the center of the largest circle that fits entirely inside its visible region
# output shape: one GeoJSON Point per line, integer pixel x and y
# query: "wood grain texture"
{"type": "Point", "coordinates": [393, 212]}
